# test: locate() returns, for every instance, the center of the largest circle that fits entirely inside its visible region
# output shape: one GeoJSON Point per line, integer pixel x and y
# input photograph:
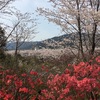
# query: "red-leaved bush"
{"type": "Point", "coordinates": [78, 82]}
{"type": "Point", "coordinates": [19, 86]}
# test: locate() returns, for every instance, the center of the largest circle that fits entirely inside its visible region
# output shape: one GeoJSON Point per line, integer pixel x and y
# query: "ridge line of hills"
{"type": "Point", "coordinates": [57, 42]}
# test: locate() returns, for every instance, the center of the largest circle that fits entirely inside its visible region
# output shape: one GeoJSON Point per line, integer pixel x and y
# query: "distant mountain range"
{"type": "Point", "coordinates": [62, 41]}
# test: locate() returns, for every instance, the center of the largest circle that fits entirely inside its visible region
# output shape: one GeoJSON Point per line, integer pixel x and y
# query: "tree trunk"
{"type": "Point", "coordinates": [79, 31]}
{"type": "Point", "coordinates": [93, 40]}
{"type": "Point", "coordinates": [16, 55]}
{"type": "Point", "coordinates": [94, 28]}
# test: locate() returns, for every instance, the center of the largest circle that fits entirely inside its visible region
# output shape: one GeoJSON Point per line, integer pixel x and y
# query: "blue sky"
{"type": "Point", "coordinates": [45, 29]}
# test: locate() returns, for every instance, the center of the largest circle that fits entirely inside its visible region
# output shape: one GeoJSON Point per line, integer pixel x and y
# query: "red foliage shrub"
{"type": "Point", "coordinates": [78, 82]}
{"type": "Point", "coordinates": [19, 86]}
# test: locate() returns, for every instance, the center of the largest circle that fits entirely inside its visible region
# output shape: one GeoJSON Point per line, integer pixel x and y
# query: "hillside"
{"type": "Point", "coordinates": [63, 41]}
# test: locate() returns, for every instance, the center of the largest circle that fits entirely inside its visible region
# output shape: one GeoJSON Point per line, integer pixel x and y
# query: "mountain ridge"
{"type": "Point", "coordinates": [63, 41]}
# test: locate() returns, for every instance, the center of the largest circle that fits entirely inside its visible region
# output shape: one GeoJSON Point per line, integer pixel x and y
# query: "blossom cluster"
{"type": "Point", "coordinates": [19, 86]}
{"type": "Point", "coordinates": [77, 82]}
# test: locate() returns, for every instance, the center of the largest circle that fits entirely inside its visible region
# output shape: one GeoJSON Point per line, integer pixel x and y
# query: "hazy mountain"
{"type": "Point", "coordinates": [53, 43]}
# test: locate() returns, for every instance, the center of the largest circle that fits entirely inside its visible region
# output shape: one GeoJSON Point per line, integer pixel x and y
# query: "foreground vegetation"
{"type": "Point", "coordinates": [49, 78]}
{"type": "Point", "coordinates": [65, 78]}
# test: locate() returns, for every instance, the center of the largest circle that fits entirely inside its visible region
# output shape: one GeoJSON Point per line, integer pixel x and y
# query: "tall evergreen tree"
{"type": "Point", "coordinates": [2, 39]}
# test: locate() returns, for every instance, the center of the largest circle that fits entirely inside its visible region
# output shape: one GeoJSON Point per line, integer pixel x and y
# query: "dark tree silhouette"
{"type": "Point", "coordinates": [2, 42]}
{"type": "Point", "coordinates": [2, 38]}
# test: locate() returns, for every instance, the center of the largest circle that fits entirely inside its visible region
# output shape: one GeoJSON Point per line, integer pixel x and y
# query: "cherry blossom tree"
{"type": "Point", "coordinates": [5, 15]}
{"type": "Point", "coordinates": [5, 11]}
{"type": "Point", "coordinates": [76, 16]}
{"type": "Point", "coordinates": [25, 30]}
{"type": "Point", "coordinates": [4, 4]}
